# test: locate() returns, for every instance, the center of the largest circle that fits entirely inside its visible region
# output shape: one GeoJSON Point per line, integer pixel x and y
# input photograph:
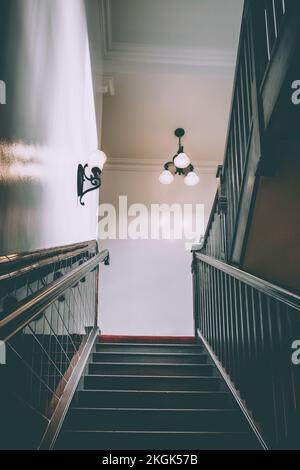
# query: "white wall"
{"type": "Point", "coordinates": [147, 290]}
{"type": "Point", "coordinates": [49, 126]}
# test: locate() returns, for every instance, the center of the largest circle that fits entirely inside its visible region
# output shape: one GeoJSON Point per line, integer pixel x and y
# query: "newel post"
{"type": "Point", "coordinates": [196, 286]}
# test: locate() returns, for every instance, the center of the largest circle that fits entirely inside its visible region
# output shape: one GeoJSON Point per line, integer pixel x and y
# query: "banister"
{"type": "Point", "coordinates": [250, 326]}
{"type": "Point", "coordinates": [233, 160]}
{"type": "Point", "coordinates": [33, 306]}
{"type": "Point", "coordinates": [16, 260]}
{"type": "Point", "coordinates": [43, 262]}
{"type": "Point", "coordinates": [289, 298]}
{"type": "Point", "coordinates": [49, 323]}
{"type": "Point", "coordinates": [252, 105]}
{"type": "Point", "coordinates": [234, 393]}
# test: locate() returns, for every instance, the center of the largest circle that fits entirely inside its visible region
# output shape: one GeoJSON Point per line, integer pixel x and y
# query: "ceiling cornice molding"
{"type": "Point", "coordinates": [147, 164]}
{"type": "Point", "coordinates": [117, 53]}
{"type": "Point", "coordinates": [195, 57]}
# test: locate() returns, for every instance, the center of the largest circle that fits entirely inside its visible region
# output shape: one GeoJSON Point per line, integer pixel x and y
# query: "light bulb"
{"type": "Point", "coordinates": [98, 159]}
{"type": "Point", "coordinates": [191, 179]}
{"type": "Point", "coordinates": [182, 161]}
{"type": "Point", "coordinates": [166, 177]}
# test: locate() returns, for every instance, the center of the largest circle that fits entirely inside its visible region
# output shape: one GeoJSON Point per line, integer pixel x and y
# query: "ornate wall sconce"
{"type": "Point", "coordinates": [94, 178]}
{"type": "Point", "coordinates": [180, 165]}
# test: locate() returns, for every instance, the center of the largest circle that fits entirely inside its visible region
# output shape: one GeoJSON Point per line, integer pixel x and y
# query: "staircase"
{"type": "Point", "coordinates": [154, 395]}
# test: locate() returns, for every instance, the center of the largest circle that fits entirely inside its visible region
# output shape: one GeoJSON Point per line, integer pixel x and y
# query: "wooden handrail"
{"type": "Point", "coordinates": [228, 154]}
{"type": "Point", "coordinates": [251, 106]}
{"type": "Point", "coordinates": [33, 306]}
{"type": "Point", "coordinates": [250, 326]}
{"type": "Point", "coordinates": [16, 260]}
{"type": "Point", "coordinates": [43, 262]}
{"type": "Point", "coordinates": [289, 298]}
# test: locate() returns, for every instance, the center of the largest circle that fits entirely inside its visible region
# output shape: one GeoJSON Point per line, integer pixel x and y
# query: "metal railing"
{"type": "Point", "coordinates": [232, 172]}
{"type": "Point", "coordinates": [261, 29]}
{"type": "Point", "coordinates": [269, 21]}
{"type": "Point", "coordinates": [48, 313]}
{"type": "Point", "coordinates": [250, 325]}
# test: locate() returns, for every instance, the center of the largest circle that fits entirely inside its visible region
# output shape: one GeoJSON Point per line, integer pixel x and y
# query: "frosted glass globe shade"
{"type": "Point", "coordinates": [191, 179]}
{"type": "Point", "coordinates": [166, 177]}
{"type": "Point", "coordinates": [98, 159]}
{"type": "Point", "coordinates": [182, 161]}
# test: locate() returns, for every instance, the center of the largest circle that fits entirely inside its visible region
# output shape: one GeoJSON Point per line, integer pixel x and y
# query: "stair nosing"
{"type": "Point", "coordinates": [185, 410]}
{"type": "Point", "coordinates": [156, 376]}
{"type": "Point", "coordinates": [199, 392]}
{"type": "Point", "coordinates": [235, 433]}
{"type": "Point", "coordinates": [142, 364]}
{"type": "Point", "coordinates": [152, 345]}
{"type": "Point", "coordinates": [150, 353]}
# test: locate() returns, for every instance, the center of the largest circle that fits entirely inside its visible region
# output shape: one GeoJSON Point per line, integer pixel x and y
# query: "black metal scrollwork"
{"type": "Point", "coordinates": [94, 179]}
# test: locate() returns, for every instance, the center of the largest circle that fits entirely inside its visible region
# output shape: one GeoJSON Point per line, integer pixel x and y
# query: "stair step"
{"type": "Point", "coordinates": [151, 399]}
{"type": "Point", "coordinates": [140, 394]}
{"type": "Point", "coordinates": [203, 370]}
{"type": "Point", "coordinates": [151, 348]}
{"type": "Point", "coordinates": [153, 357]}
{"type": "Point", "coordinates": [148, 339]}
{"type": "Point", "coordinates": [124, 419]}
{"type": "Point", "coordinates": [142, 382]}
{"type": "Point", "coordinates": [104, 440]}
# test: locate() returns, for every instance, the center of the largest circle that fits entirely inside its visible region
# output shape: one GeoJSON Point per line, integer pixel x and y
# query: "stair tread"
{"type": "Point", "coordinates": [156, 391]}
{"type": "Point", "coordinates": [154, 376]}
{"type": "Point", "coordinates": [154, 345]}
{"type": "Point", "coordinates": [162, 399]}
{"type": "Point", "coordinates": [169, 419]}
{"type": "Point", "coordinates": [157, 440]}
{"type": "Point", "coordinates": [150, 353]}
{"type": "Point", "coordinates": [146, 364]}
{"type": "Point", "coordinates": [227, 410]}
{"type": "Point", "coordinates": [103, 338]}
{"type": "Point", "coordinates": [212, 433]}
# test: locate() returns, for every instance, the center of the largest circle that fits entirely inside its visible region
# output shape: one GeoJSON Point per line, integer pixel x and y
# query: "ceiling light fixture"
{"type": "Point", "coordinates": [180, 165]}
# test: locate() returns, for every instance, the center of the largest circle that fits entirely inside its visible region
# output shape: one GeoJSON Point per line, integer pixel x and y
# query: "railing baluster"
{"type": "Point", "coordinates": [211, 307]}
{"type": "Point", "coordinates": [45, 332]}
{"type": "Point", "coordinates": [260, 32]}
{"type": "Point", "coordinates": [218, 315]}
{"type": "Point", "coordinates": [228, 325]}
{"type": "Point", "coordinates": [250, 326]}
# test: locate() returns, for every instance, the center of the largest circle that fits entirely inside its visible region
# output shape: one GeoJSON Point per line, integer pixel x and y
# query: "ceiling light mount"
{"type": "Point", "coordinates": [180, 165]}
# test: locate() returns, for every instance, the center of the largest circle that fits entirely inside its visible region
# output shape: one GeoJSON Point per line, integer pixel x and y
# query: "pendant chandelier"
{"type": "Point", "coordinates": [180, 165]}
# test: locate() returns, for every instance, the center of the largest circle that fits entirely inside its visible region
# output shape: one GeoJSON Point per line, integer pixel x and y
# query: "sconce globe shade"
{"type": "Point", "coordinates": [191, 179]}
{"type": "Point", "coordinates": [166, 177]}
{"type": "Point", "coordinates": [98, 159]}
{"type": "Point", "coordinates": [182, 161]}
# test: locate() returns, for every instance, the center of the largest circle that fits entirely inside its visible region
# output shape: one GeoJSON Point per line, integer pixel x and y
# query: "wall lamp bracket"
{"type": "Point", "coordinates": [94, 178]}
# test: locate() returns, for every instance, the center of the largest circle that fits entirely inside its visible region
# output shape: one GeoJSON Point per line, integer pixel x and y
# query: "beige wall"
{"type": "Point", "coordinates": [273, 248]}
